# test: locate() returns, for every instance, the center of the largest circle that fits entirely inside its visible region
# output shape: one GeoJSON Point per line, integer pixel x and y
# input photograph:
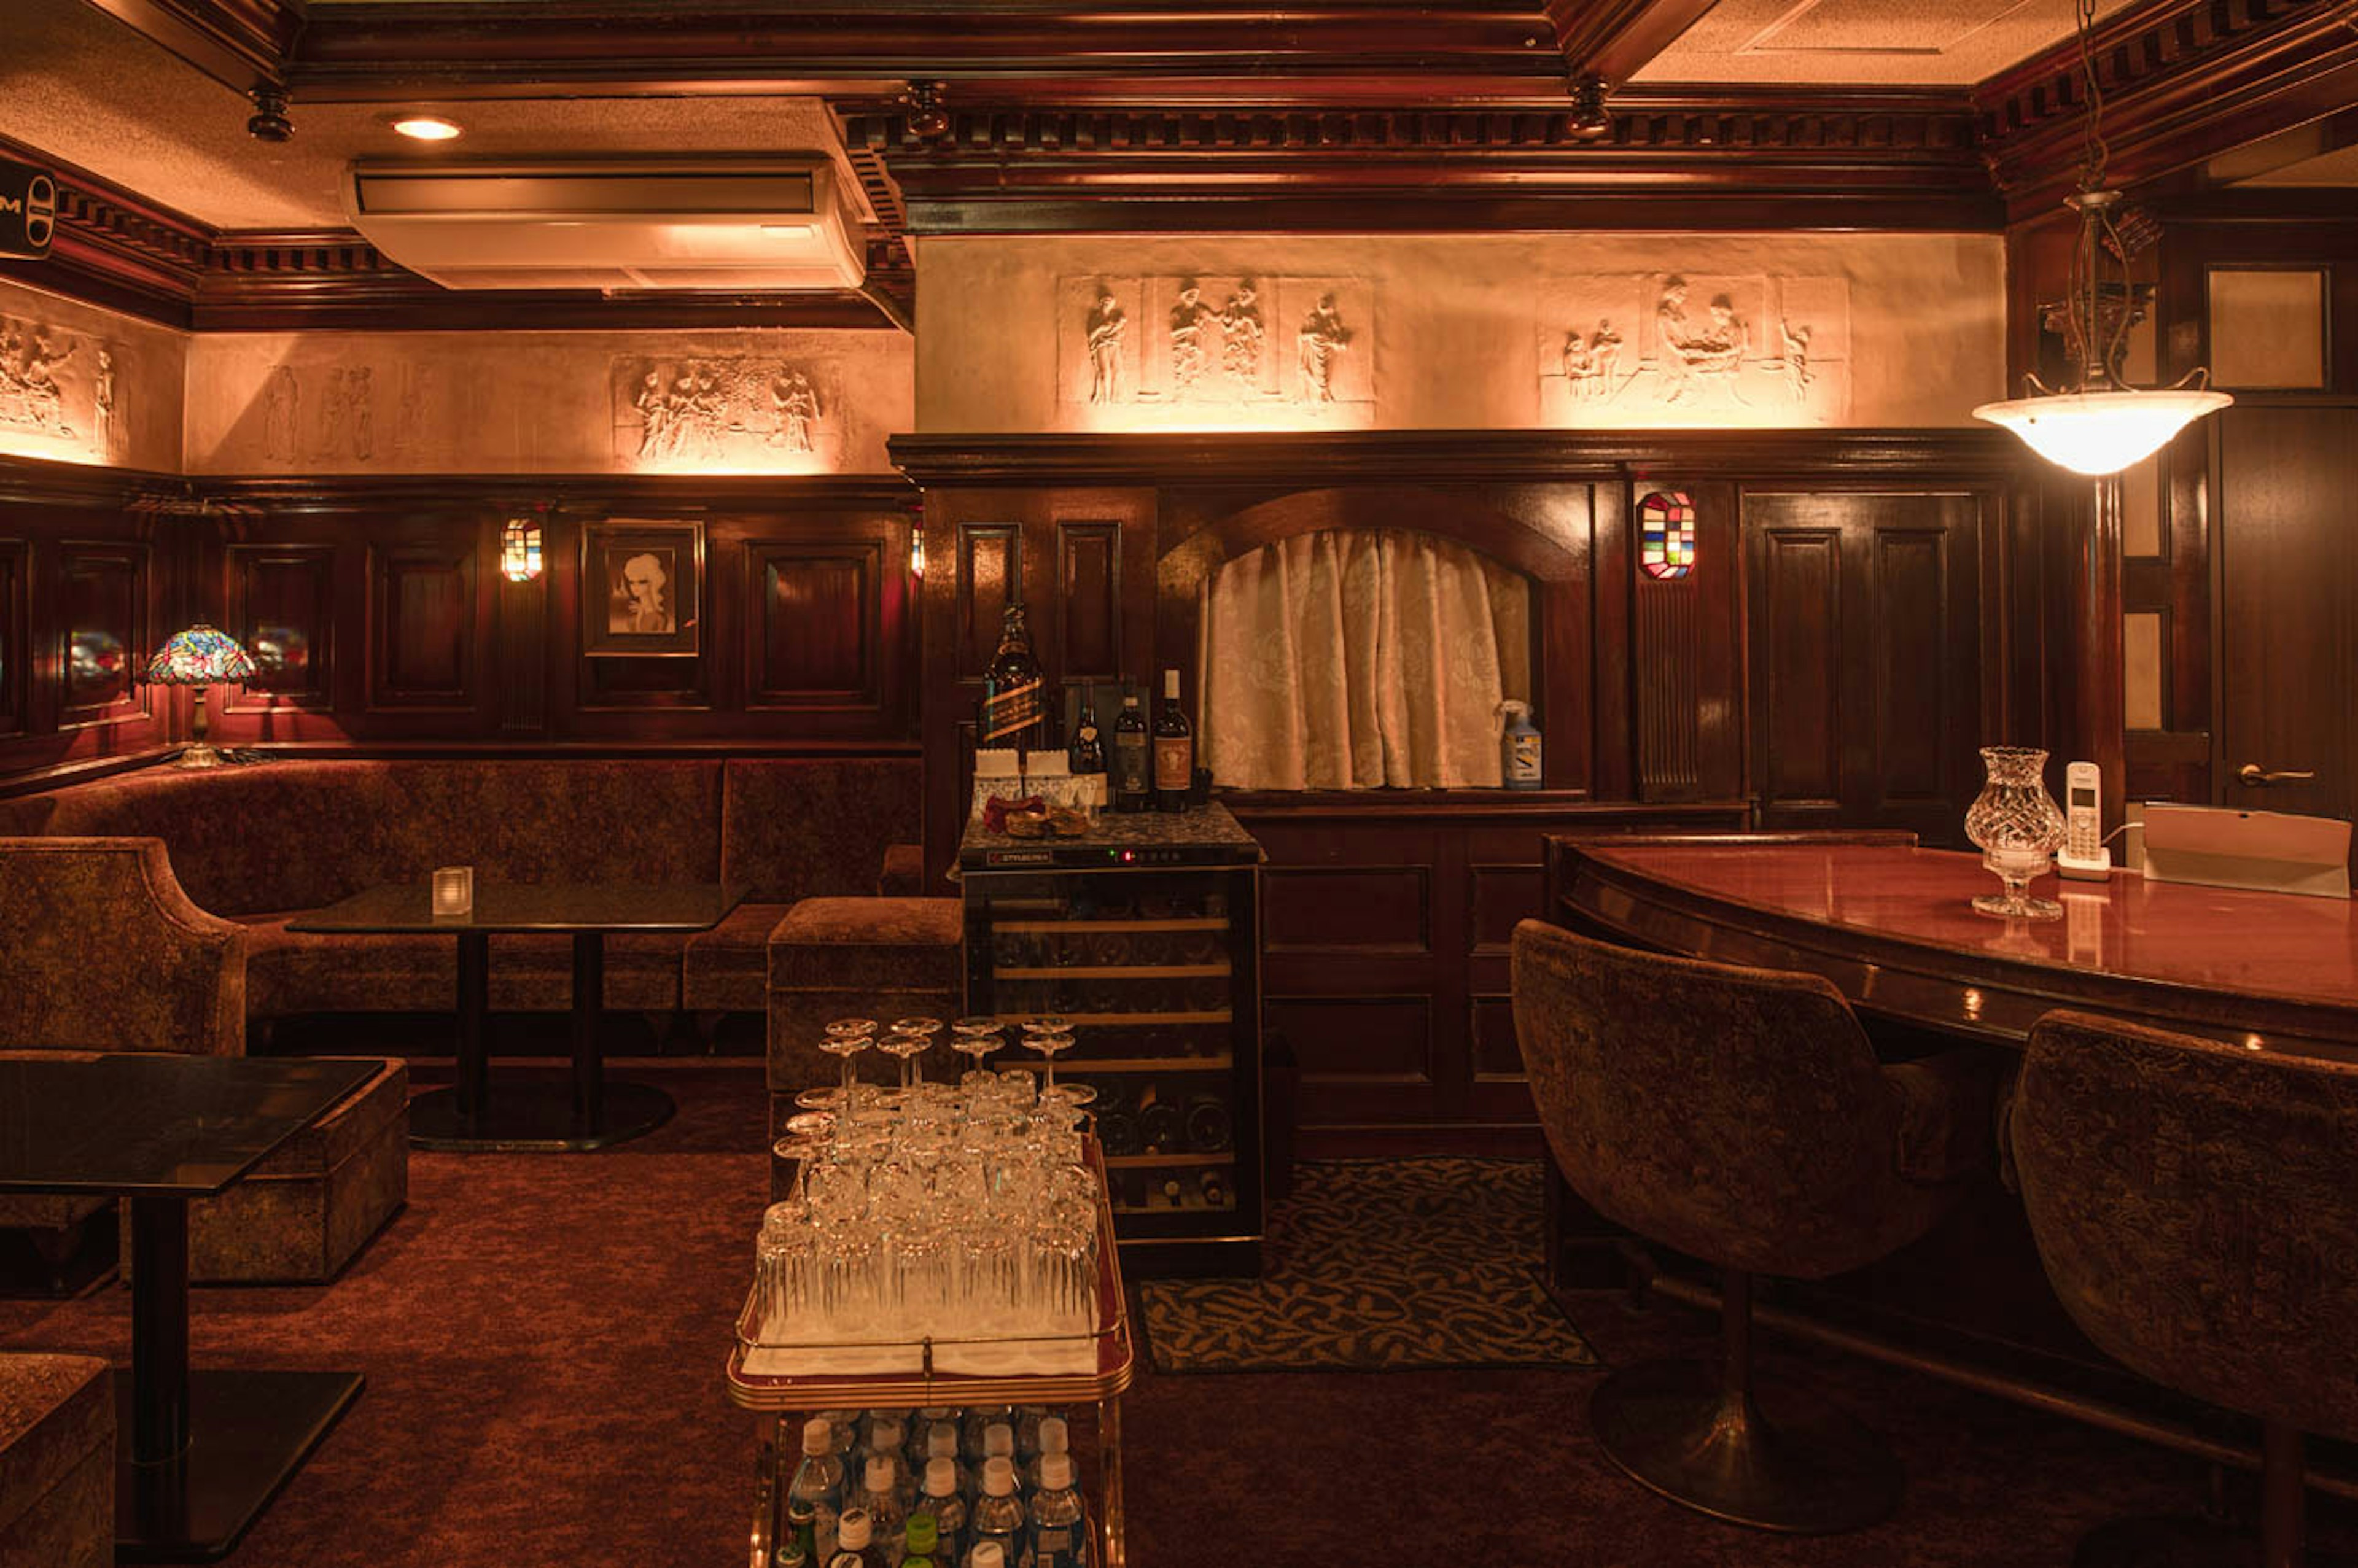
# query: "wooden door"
{"type": "Point", "coordinates": [1863, 619]}
{"type": "Point", "coordinates": [2287, 504]}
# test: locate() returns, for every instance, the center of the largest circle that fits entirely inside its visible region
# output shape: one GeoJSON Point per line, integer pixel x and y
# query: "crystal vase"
{"type": "Point", "coordinates": [2017, 826]}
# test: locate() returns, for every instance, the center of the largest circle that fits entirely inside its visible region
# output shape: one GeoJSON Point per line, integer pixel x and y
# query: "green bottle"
{"type": "Point", "coordinates": [919, 1540]}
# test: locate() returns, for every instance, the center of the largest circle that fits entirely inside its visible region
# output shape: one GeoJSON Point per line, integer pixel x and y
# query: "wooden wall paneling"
{"type": "Point", "coordinates": [282, 606]}
{"type": "Point", "coordinates": [523, 621]}
{"type": "Point", "coordinates": [990, 572]}
{"type": "Point", "coordinates": [106, 608]}
{"type": "Point", "coordinates": [1797, 635]}
{"type": "Point", "coordinates": [815, 632]}
{"type": "Point", "coordinates": [425, 616]}
{"type": "Point", "coordinates": [15, 637]}
{"type": "Point", "coordinates": [1087, 644]}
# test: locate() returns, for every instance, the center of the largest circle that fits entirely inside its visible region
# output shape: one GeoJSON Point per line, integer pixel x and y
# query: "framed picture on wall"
{"type": "Point", "coordinates": [642, 588]}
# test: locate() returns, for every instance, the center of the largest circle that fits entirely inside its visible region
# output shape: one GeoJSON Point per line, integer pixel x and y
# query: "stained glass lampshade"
{"type": "Point", "coordinates": [199, 656]}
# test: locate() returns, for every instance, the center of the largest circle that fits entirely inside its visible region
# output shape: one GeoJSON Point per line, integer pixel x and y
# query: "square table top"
{"type": "Point", "coordinates": [151, 1124]}
{"type": "Point", "coordinates": [530, 906]}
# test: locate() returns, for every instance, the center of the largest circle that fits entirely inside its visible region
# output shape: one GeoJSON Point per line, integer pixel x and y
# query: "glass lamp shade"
{"type": "Point", "coordinates": [2099, 433]}
{"type": "Point", "coordinates": [199, 656]}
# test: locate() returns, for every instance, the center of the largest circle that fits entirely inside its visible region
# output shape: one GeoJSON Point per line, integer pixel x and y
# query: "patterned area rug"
{"type": "Point", "coordinates": [1378, 1266]}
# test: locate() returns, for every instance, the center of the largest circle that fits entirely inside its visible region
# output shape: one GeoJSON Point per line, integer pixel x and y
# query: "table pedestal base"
{"type": "Point", "coordinates": [248, 1431]}
{"type": "Point", "coordinates": [528, 1116]}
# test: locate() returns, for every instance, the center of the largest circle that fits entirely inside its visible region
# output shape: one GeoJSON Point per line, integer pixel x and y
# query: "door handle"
{"type": "Point", "coordinates": [2254, 776]}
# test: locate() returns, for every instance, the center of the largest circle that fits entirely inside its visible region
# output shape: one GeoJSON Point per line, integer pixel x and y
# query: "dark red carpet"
{"type": "Point", "coordinates": [543, 1335]}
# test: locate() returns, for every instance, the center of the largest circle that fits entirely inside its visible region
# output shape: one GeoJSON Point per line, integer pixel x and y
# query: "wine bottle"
{"type": "Point", "coordinates": [1214, 1188]}
{"type": "Point", "coordinates": [1087, 754]}
{"type": "Point", "coordinates": [1162, 1126]}
{"type": "Point", "coordinates": [1118, 1131]}
{"type": "Point", "coordinates": [1210, 1129]}
{"type": "Point", "coordinates": [1172, 1191]}
{"type": "Point", "coordinates": [1175, 750]}
{"type": "Point", "coordinates": [1133, 772]}
{"type": "Point", "coordinates": [1014, 693]}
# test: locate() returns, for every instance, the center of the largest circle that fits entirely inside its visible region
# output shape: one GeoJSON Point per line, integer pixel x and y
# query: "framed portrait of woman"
{"type": "Point", "coordinates": [642, 588]}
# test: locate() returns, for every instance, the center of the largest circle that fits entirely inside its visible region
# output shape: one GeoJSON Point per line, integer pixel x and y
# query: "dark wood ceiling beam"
{"type": "Point", "coordinates": [2182, 80]}
{"type": "Point", "coordinates": [1614, 40]}
{"type": "Point", "coordinates": [243, 43]}
{"type": "Point", "coordinates": [1886, 161]}
{"type": "Point", "coordinates": [1384, 48]}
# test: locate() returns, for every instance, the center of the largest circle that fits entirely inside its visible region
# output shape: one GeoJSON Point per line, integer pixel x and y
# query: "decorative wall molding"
{"type": "Point", "coordinates": [2181, 82]}
{"type": "Point", "coordinates": [1730, 158]}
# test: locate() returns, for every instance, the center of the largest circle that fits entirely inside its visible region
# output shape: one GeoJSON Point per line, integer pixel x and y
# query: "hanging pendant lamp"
{"type": "Point", "coordinates": [2095, 424]}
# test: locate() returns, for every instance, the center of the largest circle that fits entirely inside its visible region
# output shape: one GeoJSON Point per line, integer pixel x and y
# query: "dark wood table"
{"type": "Point", "coordinates": [1893, 927]}
{"type": "Point", "coordinates": [200, 1454]}
{"type": "Point", "coordinates": [529, 1114]}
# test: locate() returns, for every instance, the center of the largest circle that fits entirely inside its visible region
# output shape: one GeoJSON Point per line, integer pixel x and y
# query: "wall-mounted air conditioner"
{"type": "Point", "coordinates": [737, 224]}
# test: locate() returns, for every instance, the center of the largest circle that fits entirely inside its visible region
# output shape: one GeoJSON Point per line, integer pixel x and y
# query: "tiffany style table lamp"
{"type": "Point", "coordinates": [199, 656]}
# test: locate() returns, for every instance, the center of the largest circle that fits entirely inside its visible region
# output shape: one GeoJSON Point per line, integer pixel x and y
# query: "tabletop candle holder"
{"type": "Point", "coordinates": [2017, 826]}
{"type": "Point", "coordinates": [454, 893]}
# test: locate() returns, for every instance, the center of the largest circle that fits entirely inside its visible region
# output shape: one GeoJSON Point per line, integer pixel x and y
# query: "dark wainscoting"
{"type": "Point", "coordinates": [86, 568]}
{"type": "Point", "coordinates": [382, 622]}
{"type": "Point", "coordinates": [1865, 608]}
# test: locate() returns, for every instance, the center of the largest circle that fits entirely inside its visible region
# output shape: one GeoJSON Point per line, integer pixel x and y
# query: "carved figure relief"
{"type": "Point", "coordinates": [1758, 350]}
{"type": "Point", "coordinates": [722, 410]}
{"type": "Point", "coordinates": [1105, 327]}
{"type": "Point", "coordinates": [103, 432]}
{"type": "Point", "coordinates": [1208, 348]}
{"type": "Point", "coordinates": [30, 396]}
{"type": "Point", "coordinates": [62, 391]}
{"type": "Point", "coordinates": [409, 412]}
{"type": "Point", "coordinates": [282, 415]}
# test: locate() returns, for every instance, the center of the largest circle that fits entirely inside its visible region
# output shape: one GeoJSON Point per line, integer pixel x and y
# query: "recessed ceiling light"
{"type": "Point", "coordinates": [427, 127]}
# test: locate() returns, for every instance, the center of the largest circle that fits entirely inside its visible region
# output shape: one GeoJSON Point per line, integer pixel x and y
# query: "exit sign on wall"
{"type": "Point", "coordinates": [28, 210]}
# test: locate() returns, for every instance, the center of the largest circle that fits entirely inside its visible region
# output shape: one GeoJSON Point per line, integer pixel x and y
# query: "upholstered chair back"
{"type": "Point", "coordinates": [1736, 1114]}
{"type": "Point", "coordinates": [101, 951]}
{"type": "Point", "coordinates": [2196, 1204]}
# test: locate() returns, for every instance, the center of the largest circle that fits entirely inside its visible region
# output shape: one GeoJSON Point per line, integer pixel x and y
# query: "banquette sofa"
{"type": "Point", "coordinates": [259, 845]}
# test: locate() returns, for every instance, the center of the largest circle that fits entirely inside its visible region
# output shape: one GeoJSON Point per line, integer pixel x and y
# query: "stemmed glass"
{"type": "Point", "coordinates": [1052, 1037]}
{"type": "Point", "coordinates": [912, 1038]}
{"type": "Point", "coordinates": [847, 1038]}
{"type": "Point", "coordinates": [976, 1037]}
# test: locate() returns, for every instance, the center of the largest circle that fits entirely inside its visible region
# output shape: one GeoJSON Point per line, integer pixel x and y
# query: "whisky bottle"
{"type": "Point", "coordinates": [1175, 750]}
{"type": "Point", "coordinates": [1014, 694]}
{"type": "Point", "coordinates": [1132, 771]}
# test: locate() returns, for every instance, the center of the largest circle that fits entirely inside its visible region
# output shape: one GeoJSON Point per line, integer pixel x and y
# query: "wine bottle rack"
{"type": "Point", "coordinates": [1158, 970]}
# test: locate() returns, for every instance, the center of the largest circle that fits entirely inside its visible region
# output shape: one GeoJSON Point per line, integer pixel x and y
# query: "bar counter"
{"type": "Point", "coordinates": [1892, 925]}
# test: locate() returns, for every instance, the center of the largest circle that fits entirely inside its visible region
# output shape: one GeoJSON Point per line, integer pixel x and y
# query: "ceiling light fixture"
{"type": "Point", "coordinates": [428, 128]}
{"type": "Point", "coordinates": [2095, 424]}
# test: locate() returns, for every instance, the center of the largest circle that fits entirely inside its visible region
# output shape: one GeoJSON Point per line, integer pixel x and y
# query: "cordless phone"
{"type": "Point", "coordinates": [2084, 855]}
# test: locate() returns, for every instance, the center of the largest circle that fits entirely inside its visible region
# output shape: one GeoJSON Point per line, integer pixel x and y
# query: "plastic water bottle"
{"type": "Point", "coordinates": [881, 1505]}
{"type": "Point", "coordinates": [918, 1542]}
{"type": "Point", "coordinates": [988, 1554]}
{"type": "Point", "coordinates": [937, 1418]}
{"type": "Point", "coordinates": [1027, 1434]}
{"type": "Point", "coordinates": [998, 1518]}
{"type": "Point", "coordinates": [980, 1418]}
{"type": "Point", "coordinates": [1059, 1540]}
{"type": "Point", "coordinates": [856, 1545]}
{"type": "Point", "coordinates": [944, 1444]}
{"type": "Point", "coordinates": [1054, 1438]}
{"type": "Point", "coordinates": [884, 1442]}
{"type": "Point", "coordinates": [943, 1503]}
{"type": "Point", "coordinates": [815, 1496]}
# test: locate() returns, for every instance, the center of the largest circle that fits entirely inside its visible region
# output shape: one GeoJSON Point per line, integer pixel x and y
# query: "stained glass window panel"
{"type": "Point", "coordinates": [1666, 536]}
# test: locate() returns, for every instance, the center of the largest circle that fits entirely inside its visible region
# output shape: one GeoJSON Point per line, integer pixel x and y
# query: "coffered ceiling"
{"type": "Point", "coordinates": [1881, 43]}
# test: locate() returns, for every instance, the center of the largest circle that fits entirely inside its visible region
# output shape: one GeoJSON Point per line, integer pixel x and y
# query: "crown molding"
{"type": "Point", "coordinates": [1613, 39]}
{"type": "Point", "coordinates": [2181, 81]}
{"type": "Point", "coordinates": [243, 43]}
{"type": "Point", "coordinates": [1717, 159]}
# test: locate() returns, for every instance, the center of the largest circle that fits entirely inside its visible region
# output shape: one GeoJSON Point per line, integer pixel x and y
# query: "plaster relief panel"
{"type": "Point", "coordinates": [79, 385]}
{"type": "Point", "coordinates": [752, 402]}
{"type": "Point", "coordinates": [676, 413]}
{"type": "Point", "coordinates": [1673, 349]}
{"type": "Point", "coordinates": [1188, 349]}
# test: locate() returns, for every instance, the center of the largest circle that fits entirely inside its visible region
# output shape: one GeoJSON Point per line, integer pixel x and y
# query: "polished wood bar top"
{"type": "Point", "coordinates": [1892, 925]}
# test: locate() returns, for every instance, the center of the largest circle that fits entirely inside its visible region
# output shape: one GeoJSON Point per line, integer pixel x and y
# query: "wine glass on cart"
{"type": "Point", "coordinates": [1052, 1036]}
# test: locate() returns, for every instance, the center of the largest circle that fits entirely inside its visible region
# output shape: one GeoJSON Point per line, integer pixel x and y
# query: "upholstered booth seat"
{"type": "Point", "coordinates": [57, 1462]}
{"type": "Point", "coordinates": [101, 950]}
{"type": "Point", "coordinates": [858, 958]}
{"type": "Point", "coordinates": [260, 846]}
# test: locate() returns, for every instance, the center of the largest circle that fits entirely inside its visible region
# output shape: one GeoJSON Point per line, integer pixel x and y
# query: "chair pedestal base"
{"type": "Point", "coordinates": [1675, 1428]}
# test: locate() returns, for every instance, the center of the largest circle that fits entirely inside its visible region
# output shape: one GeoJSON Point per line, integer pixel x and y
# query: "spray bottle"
{"type": "Point", "coordinates": [1518, 747]}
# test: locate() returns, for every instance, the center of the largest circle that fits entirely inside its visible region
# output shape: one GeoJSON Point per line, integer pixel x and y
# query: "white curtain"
{"type": "Point", "coordinates": [1359, 659]}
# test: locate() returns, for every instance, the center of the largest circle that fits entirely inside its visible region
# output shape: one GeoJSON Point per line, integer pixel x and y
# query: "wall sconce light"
{"type": "Point", "coordinates": [520, 549]}
{"type": "Point", "coordinates": [917, 551]}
